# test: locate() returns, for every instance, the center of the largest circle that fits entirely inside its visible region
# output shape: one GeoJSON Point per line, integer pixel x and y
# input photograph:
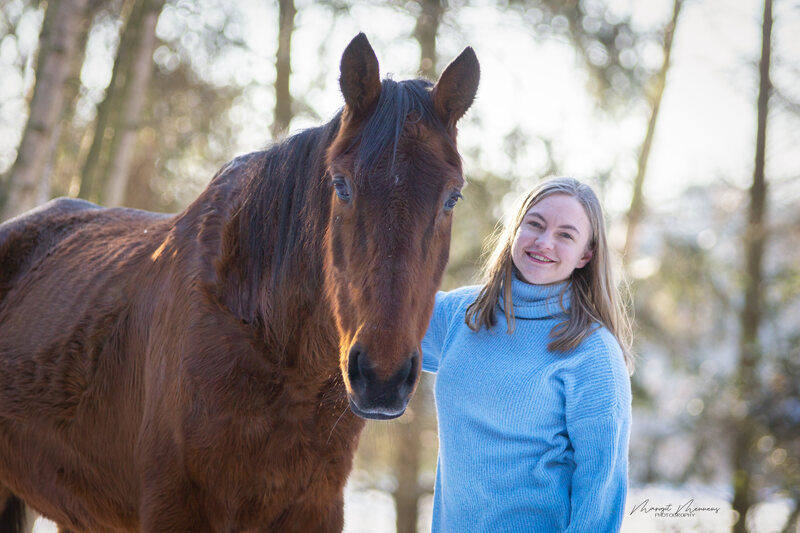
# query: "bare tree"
{"type": "Point", "coordinates": [408, 458]}
{"type": "Point", "coordinates": [283, 67]}
{"type": "Point", "coordinates": [751, 314]}
{"type": "Point", "coordinates": [637, 207]}
{"type": "Point", "coordinates": [93, 165]}
{"type": "Point", "coordinates": [63, 166]}
{"type": "Point", "coordinates": [425, 33]}
{"type": "Point", "coordinates": [143, 25]}
{"type": "Point", "coordinates": [601, 38]}
{"type": "Point", "coordinates": [59, 37]}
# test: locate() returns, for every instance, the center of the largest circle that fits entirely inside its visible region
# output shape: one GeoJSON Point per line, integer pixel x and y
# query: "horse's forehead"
{"type": "Point", "coordinates": [435, 139]}
{"type": "Point", "coordinates": [414, 170]}
{"type": "Point", "coordinates": [426, 150]}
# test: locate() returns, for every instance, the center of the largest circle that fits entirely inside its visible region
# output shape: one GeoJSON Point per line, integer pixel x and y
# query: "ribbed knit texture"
{"type": "Point", "coordinates": [529, 440]}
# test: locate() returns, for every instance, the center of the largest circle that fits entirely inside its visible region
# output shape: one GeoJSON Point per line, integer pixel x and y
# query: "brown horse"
{"type": "Point", "coordinates": [203, 371]}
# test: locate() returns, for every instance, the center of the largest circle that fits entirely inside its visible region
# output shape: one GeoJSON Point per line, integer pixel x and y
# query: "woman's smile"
{"type": "Point", "coordinates": [552, 240]}
{"type": "Point", "coordinates": [539, 258]}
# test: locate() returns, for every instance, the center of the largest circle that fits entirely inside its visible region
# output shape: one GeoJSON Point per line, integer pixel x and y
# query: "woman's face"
{"type": "Point", "coordinates": [552, 240]}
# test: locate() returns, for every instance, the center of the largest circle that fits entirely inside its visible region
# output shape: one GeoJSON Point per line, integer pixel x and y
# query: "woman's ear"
{"type": "Point", "coordinates": [586, 258]}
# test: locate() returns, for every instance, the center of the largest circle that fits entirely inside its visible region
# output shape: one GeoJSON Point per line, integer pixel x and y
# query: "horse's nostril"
{"type": "Point", "coordinates": [357, 367]}
{"type": "Point", "coordinates": [412, 364]}
{"type": "Point", "coordinates": [408, 374]}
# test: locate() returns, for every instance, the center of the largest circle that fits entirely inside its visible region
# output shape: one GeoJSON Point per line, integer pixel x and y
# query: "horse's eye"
{"type": "Point", "coordinates": [342, 187]}
{"type": "Point", "coordinates": [451, 202]}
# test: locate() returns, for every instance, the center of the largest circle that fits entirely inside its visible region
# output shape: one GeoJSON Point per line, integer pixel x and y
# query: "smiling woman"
{"type": "Point", "coordinates": [552, 241]}
{"type": "Point", "coordinates": [542, 443]}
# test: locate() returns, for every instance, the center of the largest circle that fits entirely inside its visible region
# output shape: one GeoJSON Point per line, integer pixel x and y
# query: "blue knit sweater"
{"type": "Point", "coordinates": [529, 440]}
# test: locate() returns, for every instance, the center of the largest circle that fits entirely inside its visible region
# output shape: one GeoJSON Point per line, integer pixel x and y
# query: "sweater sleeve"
{"type": "Point", "coordinates": [598, 417]}
{"type": "Point", "coordinates": [600, 480]}
{"type": "Point", "coordinates": [433, 341]}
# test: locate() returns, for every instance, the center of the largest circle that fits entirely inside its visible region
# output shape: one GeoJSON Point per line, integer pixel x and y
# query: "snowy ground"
{"type": "Point", "coordinates": [651, 509]}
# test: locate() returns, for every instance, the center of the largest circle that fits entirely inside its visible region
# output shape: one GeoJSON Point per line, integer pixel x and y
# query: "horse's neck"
{"type": "Point", "coordinates": [272, 250]}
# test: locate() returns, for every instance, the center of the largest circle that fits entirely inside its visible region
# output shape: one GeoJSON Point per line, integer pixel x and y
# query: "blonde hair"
{"type": "Point", "coordinates": [595, 296]}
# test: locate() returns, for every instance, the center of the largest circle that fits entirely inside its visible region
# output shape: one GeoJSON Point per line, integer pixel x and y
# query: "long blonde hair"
{"type": "Point", "coordinates": [595, 295]}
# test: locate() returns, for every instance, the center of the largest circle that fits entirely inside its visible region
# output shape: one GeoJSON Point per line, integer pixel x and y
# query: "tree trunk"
{"type": "Point", "coordinates": [66, 154]}
{"type": "Point", "coordinates": [133, 95]}
{"type": "Point", "coordinates": [637, 207]}
{"type": "Point", "coordinates": [407, 461]}
{"type": "Point", "coordinates": [107, 110]}
{"type": "Point", "coordinates": [283, 67]}
{"type": "Point", "coordinates": [425, 33]}
{"type": "Point", "coordinates": [58, 42]}
{"type": "Point", "coordinates": [751, 315]}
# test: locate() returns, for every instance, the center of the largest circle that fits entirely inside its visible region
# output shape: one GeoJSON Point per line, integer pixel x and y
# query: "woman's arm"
{"type": "Point", "coordinates": [448, 314]}
{"type": "Point", "coordinates": [598, 417]}
{"type": "Point", "coordinates": [600, 480]}
{"type": "Point", "coordinates": [433, 340]}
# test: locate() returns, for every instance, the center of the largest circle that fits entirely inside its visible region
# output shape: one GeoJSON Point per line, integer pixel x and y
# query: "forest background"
{"type": "Point", "coordinates": [683, 114]}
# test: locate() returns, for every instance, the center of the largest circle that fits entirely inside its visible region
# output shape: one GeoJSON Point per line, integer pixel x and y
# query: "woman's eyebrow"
{"type": "Point", "coordinates": [568, 226]}
{"type": "Point", "coordinates": [563, 226]}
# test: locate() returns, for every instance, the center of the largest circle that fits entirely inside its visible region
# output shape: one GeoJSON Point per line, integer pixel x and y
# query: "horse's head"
{"type": "Point", "coordinates": [394, 175]}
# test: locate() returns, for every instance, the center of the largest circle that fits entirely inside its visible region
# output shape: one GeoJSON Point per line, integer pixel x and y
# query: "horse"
{"type": "Point", "coordinates": [212, 370]}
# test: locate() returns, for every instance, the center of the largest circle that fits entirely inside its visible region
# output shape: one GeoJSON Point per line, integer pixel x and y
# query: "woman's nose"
{"type": "Point", "coordinates": [544, 240]}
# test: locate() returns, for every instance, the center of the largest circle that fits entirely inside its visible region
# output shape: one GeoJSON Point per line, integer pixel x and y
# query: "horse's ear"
{"type": "Point", "coordinates": [359, 77]}
{"type": "Point", "coordinates": [456, 88]}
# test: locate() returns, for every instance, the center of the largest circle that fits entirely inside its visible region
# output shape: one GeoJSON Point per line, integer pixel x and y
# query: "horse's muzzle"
{"type": "Point", "coordinates": [371, 397]}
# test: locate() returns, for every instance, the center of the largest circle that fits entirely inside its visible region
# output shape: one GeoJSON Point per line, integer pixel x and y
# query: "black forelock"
{"type": "Point", "coordinates": [396, 102]}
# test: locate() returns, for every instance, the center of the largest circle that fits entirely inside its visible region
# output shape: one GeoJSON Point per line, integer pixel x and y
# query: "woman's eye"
{"type": "Point", "coordinates": [341, 187]}
{"type": "Point", "coordinates": [535, 224]}
{"type": "Point", "coordinates": [451, 202]}
{"type": "Point", "coordinates": [567, 236]}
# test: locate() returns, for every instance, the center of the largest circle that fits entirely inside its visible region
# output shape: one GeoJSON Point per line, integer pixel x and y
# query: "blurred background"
{"type": "Point", "coordinates": [683, 114]}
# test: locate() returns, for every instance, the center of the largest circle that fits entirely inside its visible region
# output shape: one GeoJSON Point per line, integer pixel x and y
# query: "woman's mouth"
{"type": "Point", "coordinates": [539, 258]}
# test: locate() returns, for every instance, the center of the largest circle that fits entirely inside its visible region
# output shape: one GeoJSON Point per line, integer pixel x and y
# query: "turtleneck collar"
{"type": "Point", "coordinates": [537, 301]}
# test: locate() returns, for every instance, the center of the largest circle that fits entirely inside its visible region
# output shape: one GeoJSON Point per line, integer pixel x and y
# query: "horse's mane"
{"type": "Point", "coordinates": [277, 217]}
{"type": "Point", "coordinates": [285, 208]}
